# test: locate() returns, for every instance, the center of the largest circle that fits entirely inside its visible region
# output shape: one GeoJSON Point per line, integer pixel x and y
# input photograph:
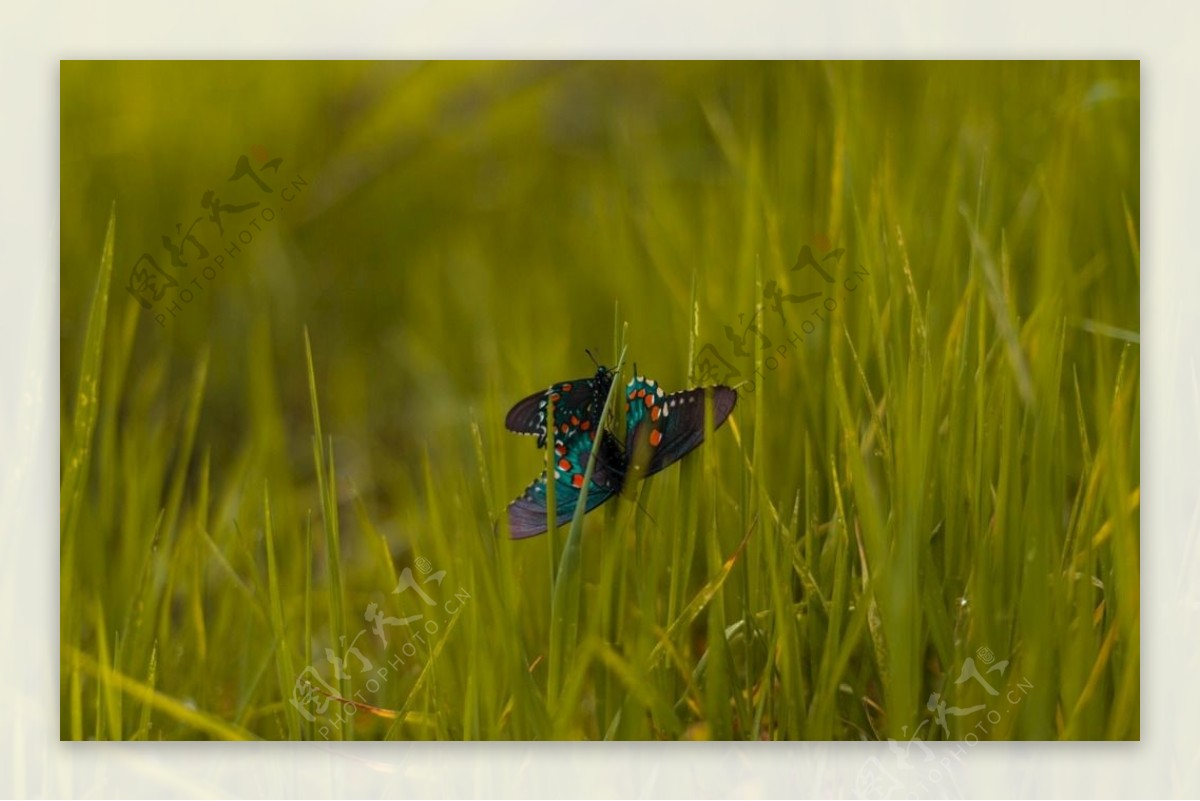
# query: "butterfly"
{"type": "Point", "coordinates": [660, 430]}
{"type": "Point", "coordinates": [577, 406]}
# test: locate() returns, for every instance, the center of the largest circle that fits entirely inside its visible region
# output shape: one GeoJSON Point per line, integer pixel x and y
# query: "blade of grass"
{"type": "Point", "coordinates": [173, 708]}
{"type": "Point", "coordinates": [326, 486]}
{"type": "Point", "coordinates": [75, 465]}
{"type": "Point", "coordinates": [283, 653]}
{"type": "Point", "coordinates": [564, 609]}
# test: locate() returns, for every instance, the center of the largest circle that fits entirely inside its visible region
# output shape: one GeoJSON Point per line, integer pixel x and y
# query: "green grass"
{"type": "Point", "coordinates": [946, 461]}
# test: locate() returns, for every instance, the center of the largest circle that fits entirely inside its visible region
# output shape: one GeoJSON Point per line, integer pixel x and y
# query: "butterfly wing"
{"type": "Point", "coordinates": [661, 429]}
{"type": "Point", "coordinates": [527, 514]}
{"type": "Point", "coordinates": [577, 403]}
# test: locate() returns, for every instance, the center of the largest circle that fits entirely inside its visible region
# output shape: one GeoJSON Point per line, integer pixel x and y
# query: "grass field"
{"type": "Point", "coordinates": [921, 519]}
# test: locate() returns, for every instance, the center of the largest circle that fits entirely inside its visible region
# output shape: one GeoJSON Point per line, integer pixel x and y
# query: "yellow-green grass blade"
{"type": "Point", "coordinates": [565, 605]}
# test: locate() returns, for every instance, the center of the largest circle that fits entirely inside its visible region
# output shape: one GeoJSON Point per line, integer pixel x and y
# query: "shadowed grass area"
{"type": "Point", "coordinates": [283, 498]}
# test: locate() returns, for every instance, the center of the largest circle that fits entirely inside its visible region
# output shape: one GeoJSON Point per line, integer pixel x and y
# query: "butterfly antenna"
{"type": "Point", "coordinates": [592, 357]}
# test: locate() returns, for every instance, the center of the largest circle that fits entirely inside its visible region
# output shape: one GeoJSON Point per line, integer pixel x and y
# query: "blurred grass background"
{"type": "Point", "coordinates": [946, 467]}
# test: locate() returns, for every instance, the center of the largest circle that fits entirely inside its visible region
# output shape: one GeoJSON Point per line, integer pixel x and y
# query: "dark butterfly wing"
{"type": "Point", "coordinates": [527, 514]}
{"type": "Point", "coordinates": [528, 415]}
{"type": "Point", "coordinates": [577, 404]}
{"type": "Point", "coordinates": [662, 429]}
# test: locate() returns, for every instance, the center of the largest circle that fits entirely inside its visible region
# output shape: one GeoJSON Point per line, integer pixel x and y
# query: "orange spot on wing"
{"type": "Point", "coordinates": [574, 420]}
{"type": "Point", "coordinates": [564, 464]}
{"type": "Point", "coordinates": [555, 396]}
{"type": "Point", "coordinates": [641, 393]}
{"type": "Point", "coordinates": [563, 428]}
{"type": "Point", "coordinates": [566, 387]}
{"type": "Point", "coordinates": [649, 401]}
{"type": "Point", "coordinates": [586, 425]}
{"type": "Point", "coordinates": [655, 437]}
{"type": "Point", "coordinates": [577, 481]}
{"type": "Point", "coordinates": [655, 412]}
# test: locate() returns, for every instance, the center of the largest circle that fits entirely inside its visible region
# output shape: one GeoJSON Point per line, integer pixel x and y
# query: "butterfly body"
{"type": "Point", "coordinates": [660, 430]}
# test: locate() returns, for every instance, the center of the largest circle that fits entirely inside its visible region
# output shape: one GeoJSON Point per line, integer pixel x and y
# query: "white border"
{"type": "Point", "coordinates": [34, 763]}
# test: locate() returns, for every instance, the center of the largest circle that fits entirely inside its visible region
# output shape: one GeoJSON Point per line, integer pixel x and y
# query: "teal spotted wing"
{"type": "Point", "coordinates": [661, 429]}
{"type": "Point", "coordinates": [527, 514]}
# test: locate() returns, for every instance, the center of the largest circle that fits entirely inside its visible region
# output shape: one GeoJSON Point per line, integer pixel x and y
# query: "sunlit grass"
{"type": "Point", "coordinates": [944, 466]}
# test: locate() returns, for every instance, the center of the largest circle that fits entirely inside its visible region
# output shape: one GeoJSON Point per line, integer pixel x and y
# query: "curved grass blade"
{"type": "Point", "coordinates": [564, 608]}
